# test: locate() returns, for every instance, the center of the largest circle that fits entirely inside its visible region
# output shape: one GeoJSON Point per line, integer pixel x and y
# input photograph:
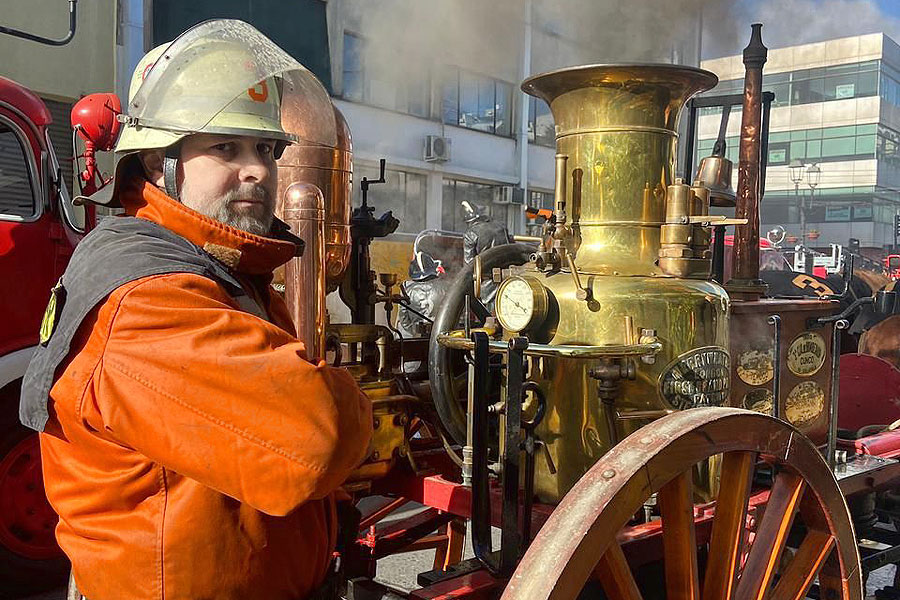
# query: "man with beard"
{"type": "Point", "coordinates": [189, 445]}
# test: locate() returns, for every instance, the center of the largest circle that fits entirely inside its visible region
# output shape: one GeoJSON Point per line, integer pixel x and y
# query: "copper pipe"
{"type": "Point", "coordinates": [745, 258]}
{"type": "Point", "coordinates": [330, 168]}
{"type": "Point", "coordinates": [304, 277]}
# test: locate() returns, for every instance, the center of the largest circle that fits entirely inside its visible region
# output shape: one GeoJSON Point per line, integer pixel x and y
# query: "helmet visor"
{"type": "Point", "coordinates": [218, 65]}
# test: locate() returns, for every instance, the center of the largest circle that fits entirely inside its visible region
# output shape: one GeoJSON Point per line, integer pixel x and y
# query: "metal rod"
{"type": "Point", "coordinates": [481, 495]}
{"type": "Point", "coordinates": [689, 145]}
{"type": "Point", "coordinates": [468, 452]}
{"type": "Point", "coordinates": [560, 190]}
{"type": "Point", "coordinates": [764, 143]}
{"type": "Point", "coordinates": [775, 320]}
{"type": "Point", "coordinates": [73, 21]}
{"type": "Point", "coordinates": [606, 351]}
{"type": "Point", "coordinates": [718, 257]}
{"type": "Point", "coordinates": [510, 538]}
{"type": "Point", "coordinates": [835, 385]}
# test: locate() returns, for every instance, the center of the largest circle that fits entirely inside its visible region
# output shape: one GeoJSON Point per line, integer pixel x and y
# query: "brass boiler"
{"type": "Point", "coordinates": [330, 168]}
{"type": "Point", "coordinates": [616, 140]}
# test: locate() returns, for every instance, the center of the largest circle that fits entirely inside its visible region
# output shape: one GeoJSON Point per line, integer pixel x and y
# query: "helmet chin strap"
{"type": "Point", "coordinates": [170, 164]}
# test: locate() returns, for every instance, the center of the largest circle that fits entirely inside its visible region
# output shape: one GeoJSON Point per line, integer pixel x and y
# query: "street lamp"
{"type": "Point", "coordinates": [813, 174]}
{"type": "Point", "coordinates": [796, 169]}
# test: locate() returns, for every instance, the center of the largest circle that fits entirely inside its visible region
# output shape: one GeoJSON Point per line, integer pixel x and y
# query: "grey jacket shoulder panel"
{"type": "Point", "coordinates": [118, 251]}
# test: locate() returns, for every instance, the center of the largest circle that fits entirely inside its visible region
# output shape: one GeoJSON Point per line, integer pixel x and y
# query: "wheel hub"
{"type": "Point", "coordinates": [27, 521]}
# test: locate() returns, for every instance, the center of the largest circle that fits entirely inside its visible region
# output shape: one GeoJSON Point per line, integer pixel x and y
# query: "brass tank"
{"type": "Point", "coordinates": [616, 140]}
{"type": "Point", "coordinates": [328, 167]}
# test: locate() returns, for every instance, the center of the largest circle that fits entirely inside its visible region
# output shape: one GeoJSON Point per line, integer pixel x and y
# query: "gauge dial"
{"type": "Point", "coordinates": [521, 303]}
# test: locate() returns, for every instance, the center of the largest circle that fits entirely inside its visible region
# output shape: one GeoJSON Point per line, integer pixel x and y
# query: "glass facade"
{"type": "Point", "coordinates": [807, 86]}
{"type": "Point", "coordinates": [875, 204]}
{"type": "Point", "coordinates": [819, 145]}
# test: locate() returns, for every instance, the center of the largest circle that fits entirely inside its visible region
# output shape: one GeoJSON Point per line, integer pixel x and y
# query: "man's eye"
{"type": "Point", "coordinates": [265, 149]}
{"type": "Point", "coordinates": [224, 147]}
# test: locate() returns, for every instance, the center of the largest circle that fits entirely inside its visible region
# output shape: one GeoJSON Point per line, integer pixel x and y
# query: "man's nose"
{"type": "Point", "coordinates": [254, 169]}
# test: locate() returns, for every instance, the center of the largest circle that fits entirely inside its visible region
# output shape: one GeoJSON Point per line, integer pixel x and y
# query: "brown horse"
{"type": "Point", "coordinates": [883, 340]}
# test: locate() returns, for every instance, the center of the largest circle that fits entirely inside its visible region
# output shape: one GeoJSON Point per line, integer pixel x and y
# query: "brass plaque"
{"type": "Point", "coordinates": [761, 400]}
{"type": "Point", "coordinates": [805, 402]}
{"type": "Point", "coordinates": [806, 354]}
{"type": "Point", "coordinates": [700, 377]}
{"type": "Point", "coordinates": [756, 367]}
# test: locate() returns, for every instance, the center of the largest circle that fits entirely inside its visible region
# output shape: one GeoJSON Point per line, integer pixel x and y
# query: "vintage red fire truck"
{"type": "Point", "coordinates": [39, 228]}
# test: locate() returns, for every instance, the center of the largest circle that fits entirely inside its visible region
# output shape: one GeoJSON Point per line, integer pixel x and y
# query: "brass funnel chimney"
{"type": "Point", "coordinates": [616, 124]}
{"type": "Point", "coordinates": [625, 262]}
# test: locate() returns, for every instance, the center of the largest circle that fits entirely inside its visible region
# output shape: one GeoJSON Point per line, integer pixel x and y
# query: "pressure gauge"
{"type": "Point", "coordinates": [521, 303]}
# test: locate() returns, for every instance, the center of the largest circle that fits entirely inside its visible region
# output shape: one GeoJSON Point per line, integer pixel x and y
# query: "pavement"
{"type": "Point", "coordinates": [400, 571]}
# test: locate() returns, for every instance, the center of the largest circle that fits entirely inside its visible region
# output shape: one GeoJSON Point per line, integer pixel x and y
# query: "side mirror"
{"type": "Point", "coordinates": [95, 118]}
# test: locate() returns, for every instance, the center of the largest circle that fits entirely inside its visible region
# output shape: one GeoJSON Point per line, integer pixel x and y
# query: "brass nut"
{"type": "Point", "coordinates": [675, 252]}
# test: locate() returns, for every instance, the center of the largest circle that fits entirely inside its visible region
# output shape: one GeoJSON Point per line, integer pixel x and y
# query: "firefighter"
{"type": "Point", "coordinates": [190, 446]}
{"type": "Point", "coordinates": [482, 232]}
{"type": "Point", "coordinates": [424, 290]}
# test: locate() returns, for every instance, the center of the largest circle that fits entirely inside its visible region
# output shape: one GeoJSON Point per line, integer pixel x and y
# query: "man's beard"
{"type": "Point", "coordinates": [256, 219]}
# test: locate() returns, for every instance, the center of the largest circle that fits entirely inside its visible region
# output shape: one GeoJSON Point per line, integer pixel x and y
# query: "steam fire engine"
{"type": "Point", "coordinates": [633, 422]}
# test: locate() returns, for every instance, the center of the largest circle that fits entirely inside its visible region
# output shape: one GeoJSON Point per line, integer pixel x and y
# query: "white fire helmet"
{"type": "Point", "coordinates": [222, 77]}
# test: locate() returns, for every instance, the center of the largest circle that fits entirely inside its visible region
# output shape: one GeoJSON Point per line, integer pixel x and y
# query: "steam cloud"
{"type": "Point", "coordinates": [407, 39]}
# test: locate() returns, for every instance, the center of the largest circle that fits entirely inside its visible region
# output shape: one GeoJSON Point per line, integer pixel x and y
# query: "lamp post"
{"type": "Point", "coordinates": [813, 174]}
{"type": "Point", "coordinates": [796, 170]}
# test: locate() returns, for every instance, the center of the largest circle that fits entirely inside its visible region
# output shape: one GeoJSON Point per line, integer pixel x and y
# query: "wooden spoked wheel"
{"type": "Point", "coordinates": [578, 543]}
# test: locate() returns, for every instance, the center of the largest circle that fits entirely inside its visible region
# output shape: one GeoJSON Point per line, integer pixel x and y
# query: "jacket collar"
{"type": "Point", "coordinates": [240, 251]}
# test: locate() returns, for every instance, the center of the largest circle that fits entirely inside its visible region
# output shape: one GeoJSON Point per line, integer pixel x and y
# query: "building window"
{"type": "Point", "coordinates": [16, 191]}
{"type": "Point", "coordinates": [403, 193]}
{"type": "Point", "coordinates": [476, 102]}
{"type": "Point", "coordinates": [479, 194]}
{"type": "Point", "coordinates": [852, 142]}
{"type": "Point", "coordinates": [363, 83]}
{"type": "Point", "coordinates": [354, 82]}
{"type": "Point", "coordinates": [540, 123]}
{"type": "Point", "coordinates": [806, 86]}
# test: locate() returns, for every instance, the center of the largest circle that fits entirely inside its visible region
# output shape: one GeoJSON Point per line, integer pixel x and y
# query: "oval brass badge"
{"type": "Point", "coordinates": [806, 354]}
{"type": "Point", "coordinates": [755, 367]}
{"type": "Point", "coordinates": [760, 400]}
{"type": "Point", "coordinates": [700, 377]}
{"type": "Point", "coordinates": [805, 402]}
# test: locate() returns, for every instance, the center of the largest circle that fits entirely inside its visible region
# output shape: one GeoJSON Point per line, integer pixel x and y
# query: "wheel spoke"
{"type": "Point", "coordinates": [771, 535]}
{"type": "Point", "coordinates": [804, 567]}
{"type": "Point", "coordinates": [679, 539]}
{"type": "Point", "coordinates": [727, 535]}
{"type": "Point", "coordinates": [615, 575]}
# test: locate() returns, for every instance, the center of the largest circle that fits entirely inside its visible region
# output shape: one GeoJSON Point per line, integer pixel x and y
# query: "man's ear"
{"type": "Point", "coordinates": [152, 163]}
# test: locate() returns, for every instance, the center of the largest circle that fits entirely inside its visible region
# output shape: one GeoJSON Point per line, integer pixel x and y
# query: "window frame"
{"type": "Point", "coordinates": [510, 98]}
{"type": "Point", "coordinates": [37, 196]}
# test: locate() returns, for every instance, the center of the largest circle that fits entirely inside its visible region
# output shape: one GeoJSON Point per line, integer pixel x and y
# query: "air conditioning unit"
{"type": "Point", "coordinates": [437, 148]}
{"type": "Point", "coordinates": [503, 195]}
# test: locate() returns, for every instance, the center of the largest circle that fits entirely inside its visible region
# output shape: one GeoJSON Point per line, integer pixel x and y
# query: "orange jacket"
{"type": "Point", "coordinates": [192, 450]}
